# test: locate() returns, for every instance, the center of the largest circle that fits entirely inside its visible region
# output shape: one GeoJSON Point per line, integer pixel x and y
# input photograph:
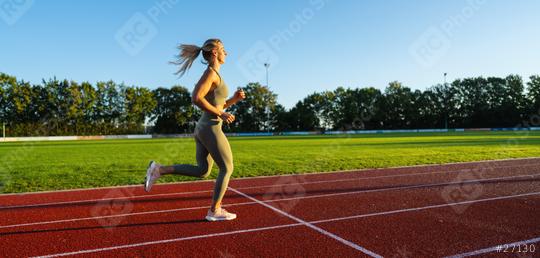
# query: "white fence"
{"type": "Point", "coordinates": [151, 136]}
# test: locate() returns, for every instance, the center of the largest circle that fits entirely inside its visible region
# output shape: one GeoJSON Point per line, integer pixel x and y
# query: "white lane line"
{"type": "Point", "coordinates": [95, 201]}
{"type": "Point", "coordinates": [496, 248]}
{"type": "Point", "coordinates": [272, 227]}
{"type": "Point", "coordinates": [267, 201]}
{"type": "Point", "coordinates": [144, 197]}
{"type": "Point", "coordinates": [169, 240]}
{"type": "Point", "coordinates": [425, 207]}
{"type": "Point", "coordinates": [118, 215]}
{"type": "Point", "coordinates": [407, 187]}
{"type": "Point", "coordinates": [303, 222]}
{"type": "Point", "coordinates": [376, 177]}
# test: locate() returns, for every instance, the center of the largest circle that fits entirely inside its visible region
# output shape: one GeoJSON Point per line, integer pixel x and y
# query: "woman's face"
{"type": "Point", "coordinates": [221, 54]}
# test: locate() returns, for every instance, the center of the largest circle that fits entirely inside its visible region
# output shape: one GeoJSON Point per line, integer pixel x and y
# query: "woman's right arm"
{"type": "Point", "coordinates": [201, 90]}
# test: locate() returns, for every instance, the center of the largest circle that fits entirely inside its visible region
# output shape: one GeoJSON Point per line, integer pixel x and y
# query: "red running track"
{"type": "Point", "coordinates": [424, 211]}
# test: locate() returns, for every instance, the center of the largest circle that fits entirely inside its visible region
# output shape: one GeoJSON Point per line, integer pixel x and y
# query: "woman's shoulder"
{"type": "Point", "coordinates": [211, 75]}
{"type": "Point", "coordinates": [216, 77]}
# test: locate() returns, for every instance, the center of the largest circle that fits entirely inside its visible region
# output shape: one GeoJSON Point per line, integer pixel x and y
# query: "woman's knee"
{"type": "Point", "coordinates": [205, 172]}
{"type": "Point", "coordinates": [228, 168]}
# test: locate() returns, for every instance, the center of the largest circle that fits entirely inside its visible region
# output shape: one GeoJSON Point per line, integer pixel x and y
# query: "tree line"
{"type": "Point", "coordinates": [62, 107]}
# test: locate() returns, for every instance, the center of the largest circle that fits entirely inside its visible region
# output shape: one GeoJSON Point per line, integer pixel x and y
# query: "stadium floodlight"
{"type": "Point", "coordinates": [445, 79]}
{"type": "Point", "coordinates": [446, 107]}
{"type": "Point", "coordinates": [266, 65]}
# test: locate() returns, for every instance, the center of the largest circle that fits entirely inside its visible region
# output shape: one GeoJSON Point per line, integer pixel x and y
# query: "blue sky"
{"type": "Point", "coordinates": [312, 45]}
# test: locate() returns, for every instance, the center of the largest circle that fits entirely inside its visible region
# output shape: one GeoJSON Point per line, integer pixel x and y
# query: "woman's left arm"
{"type": "Point", "coordinates": [238, 95]}
{"type": "Point", "coordinates": [229, 103]}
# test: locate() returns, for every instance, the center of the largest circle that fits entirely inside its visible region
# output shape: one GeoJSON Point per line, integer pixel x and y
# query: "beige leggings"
{"type": "Point", "coordinates": [212, 145]}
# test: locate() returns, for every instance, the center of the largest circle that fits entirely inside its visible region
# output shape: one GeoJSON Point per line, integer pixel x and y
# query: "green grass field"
{"type": "Point", "coordinates": [38, 166]}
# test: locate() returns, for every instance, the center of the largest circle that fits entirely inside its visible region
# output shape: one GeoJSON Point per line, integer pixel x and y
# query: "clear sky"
{"type": "Point", "coordinates": [311, 45]}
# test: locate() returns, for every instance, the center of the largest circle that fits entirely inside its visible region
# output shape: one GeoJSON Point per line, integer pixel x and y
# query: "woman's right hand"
{"type": "Point", "coordinates": [227, 117]}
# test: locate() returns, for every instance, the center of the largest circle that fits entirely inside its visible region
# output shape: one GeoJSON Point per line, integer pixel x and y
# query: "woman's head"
{"type": "Point", "coordinates": [212, 51]}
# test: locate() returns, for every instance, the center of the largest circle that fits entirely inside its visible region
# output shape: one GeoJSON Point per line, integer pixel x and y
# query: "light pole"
{"type": "Point", "coordinates": [445, 107]}
{"type": "Point", "coordinates": [445, 78]}
{"type": "Point", "coordinates": [266, 65]}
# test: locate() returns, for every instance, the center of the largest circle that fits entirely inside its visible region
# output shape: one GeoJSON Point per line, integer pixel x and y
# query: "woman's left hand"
{"type": "Point", "coordinates": [239, 94]}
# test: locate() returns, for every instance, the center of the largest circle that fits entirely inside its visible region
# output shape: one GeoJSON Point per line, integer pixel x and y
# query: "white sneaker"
{"type": "Point", "coordinates": [220, 215]}
{"type": "Point", "coordinates": [151, 175]}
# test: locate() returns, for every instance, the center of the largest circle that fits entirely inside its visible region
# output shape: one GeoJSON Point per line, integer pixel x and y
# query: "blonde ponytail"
{"type": "Point", "coordinates": [188, 54]}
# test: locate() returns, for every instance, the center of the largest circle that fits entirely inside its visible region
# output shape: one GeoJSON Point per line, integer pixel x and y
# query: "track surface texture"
{"type": "Point", "coordinates": [481, 209]}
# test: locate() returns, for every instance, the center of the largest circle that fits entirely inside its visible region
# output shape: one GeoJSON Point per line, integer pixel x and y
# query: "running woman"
{"type": "Point", "coordinates": [212, 145]}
